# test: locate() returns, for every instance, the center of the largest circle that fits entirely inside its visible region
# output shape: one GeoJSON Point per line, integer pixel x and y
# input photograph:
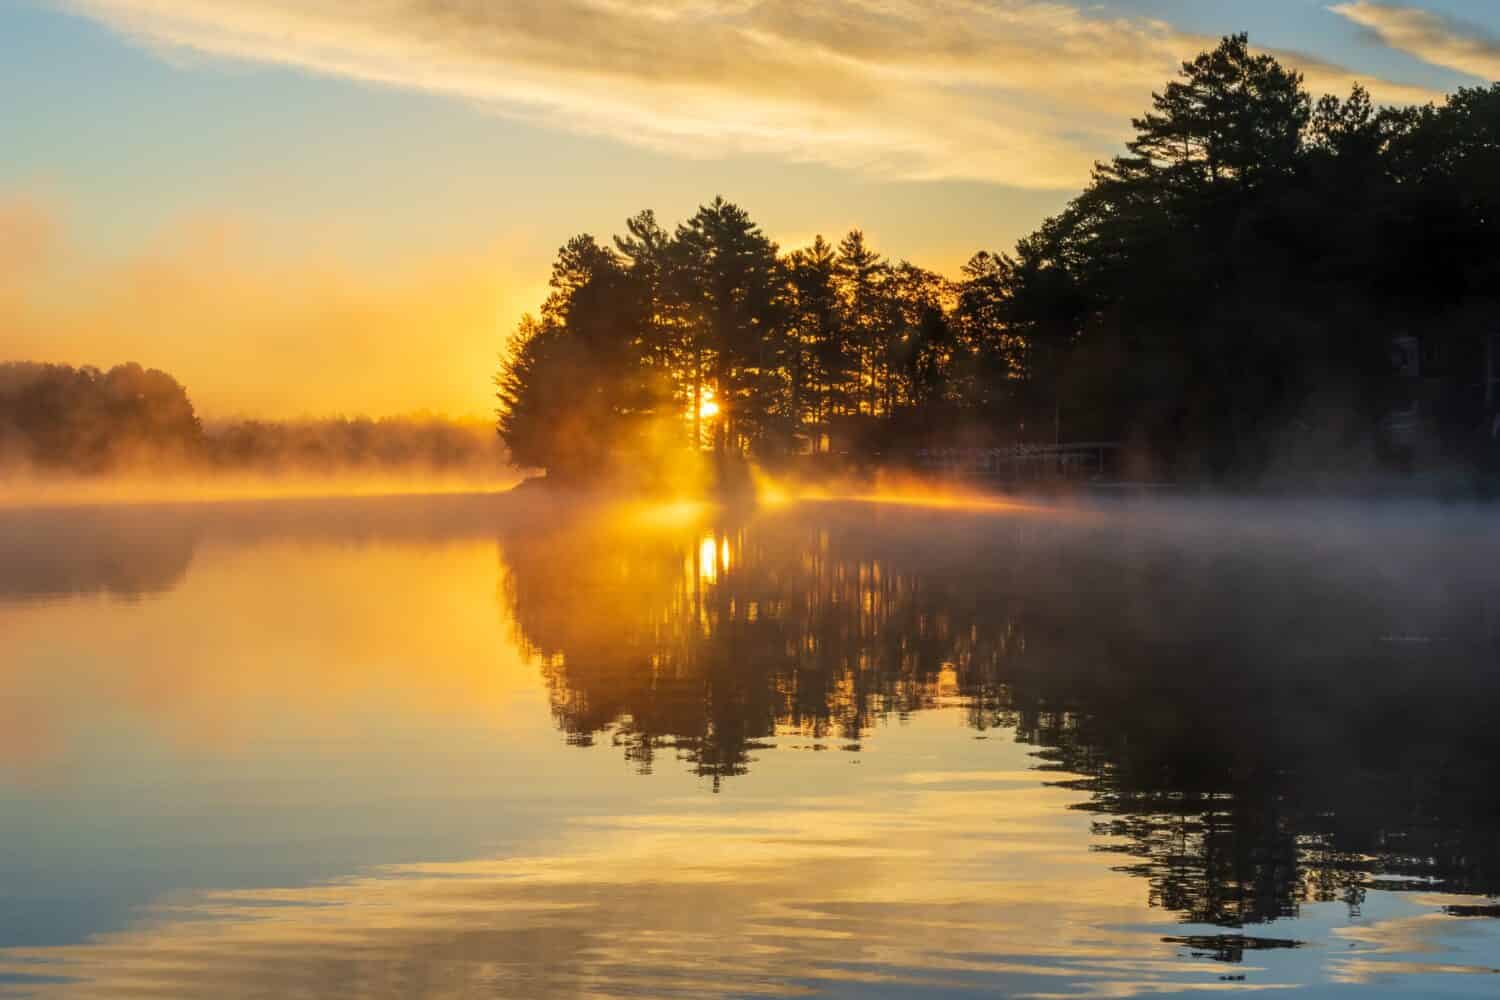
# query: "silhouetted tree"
{"type": "Point", "coordinates": [578, 394]}
{"type": "Point", "coordinates": [1222, 297]}
{"type": "Point", "coordinates": [816, 355]}
{"type": "Point", "coordinates": [729, 268]}
{"type": "Point", "coordinates": [87, 420]}
{"type": "Point", "coordinates": [860, 272]}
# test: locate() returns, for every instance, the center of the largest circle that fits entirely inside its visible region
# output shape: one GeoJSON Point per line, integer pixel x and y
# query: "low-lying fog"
{"type": "Point", "coordinates": [1129, 555]}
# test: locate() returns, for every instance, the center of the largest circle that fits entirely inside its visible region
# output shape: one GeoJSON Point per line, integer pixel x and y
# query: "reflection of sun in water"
{"type": "Point", "coordinates": [713, 558]}
{"type": "Point", "coordinates": [708, 559]}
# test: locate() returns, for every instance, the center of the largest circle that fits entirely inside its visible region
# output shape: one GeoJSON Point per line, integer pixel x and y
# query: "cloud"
{"type": "Point", "coordinates": [1430, 37]}
{"type": "Point", "coordinates": [1323, 77]}
{"type": "Point", "coordinates": [1022, 92]}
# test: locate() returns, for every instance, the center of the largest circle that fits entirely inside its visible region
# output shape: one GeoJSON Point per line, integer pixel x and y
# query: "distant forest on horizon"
{"type": "Point", "coordinates": [1223, 299]}
{"type": "Point", "coordinates": [130, 419]}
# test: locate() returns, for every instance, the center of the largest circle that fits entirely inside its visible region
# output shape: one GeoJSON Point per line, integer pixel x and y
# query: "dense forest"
{"type": "Point", "coordinates": [84, 421]}
{"type": "Point", "coordinates": [1223, 299]}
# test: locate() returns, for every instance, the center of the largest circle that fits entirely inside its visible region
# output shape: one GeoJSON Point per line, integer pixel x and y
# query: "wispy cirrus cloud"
{"type": "Point", "coordinates": [1429, 36]}
{"type": "Point", "coordinates": [1021, 92]}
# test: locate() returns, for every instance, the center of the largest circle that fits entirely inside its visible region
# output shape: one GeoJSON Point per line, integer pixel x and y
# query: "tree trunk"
{"type": "Point", "coordinates": [698, 399]}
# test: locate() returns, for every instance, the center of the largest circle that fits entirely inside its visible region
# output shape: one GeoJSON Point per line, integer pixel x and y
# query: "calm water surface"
{"type": "Point", "coordinates": [507, 746]}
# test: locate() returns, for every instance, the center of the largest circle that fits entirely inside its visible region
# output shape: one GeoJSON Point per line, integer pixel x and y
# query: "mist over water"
{"type": "Point", "coordinates": [29, 491]}
{"type": "Point", "coordinates": [530, 745]}
{"type": "Point", "coordinates": [73, 436]}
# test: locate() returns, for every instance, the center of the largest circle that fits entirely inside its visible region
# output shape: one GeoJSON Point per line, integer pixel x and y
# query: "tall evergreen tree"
{"type": "Point", "coordinates": [818, 353]}
{"type": "Point", "coordinates": [729, 267]}
{"type": "Point", "coordinates": [861, 271]}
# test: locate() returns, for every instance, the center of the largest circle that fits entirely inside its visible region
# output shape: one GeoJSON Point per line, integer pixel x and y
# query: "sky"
{"type": "Point", "coordinates": [315, 207]}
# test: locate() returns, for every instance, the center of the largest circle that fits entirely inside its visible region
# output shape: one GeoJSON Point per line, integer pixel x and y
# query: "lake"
{"type": "Point", "coordinates": [522, 746]}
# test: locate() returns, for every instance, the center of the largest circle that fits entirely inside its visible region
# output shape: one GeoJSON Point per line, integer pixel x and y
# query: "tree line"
{"type": "Point", "coordinates": [1222, 297]}
{"type": "Point", "coordinates": [88, 421]}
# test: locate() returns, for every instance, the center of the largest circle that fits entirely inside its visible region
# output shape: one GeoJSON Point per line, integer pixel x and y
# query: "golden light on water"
{"type": "Point", "coordinates": [708, 406]}
{"type": "Point", "coordinates": [667, 514]}
{"type": "Point", "coordinates": [315, 629]}
{"type": "Point", "coordinates": [773, 491]}
{"type": "Point", "coordinates": [936, 500]}
{"type": "Point", "coordinates": [708, 559]}
{"type": "Point", "coordinates": [189, 487]}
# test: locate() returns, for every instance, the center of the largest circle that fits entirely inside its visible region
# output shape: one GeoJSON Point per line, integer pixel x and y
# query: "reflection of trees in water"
{"type": "Point", "coordinates": [1239, 808]}
{"type": "Point", "coordinates": [129, 551]}
{"type": "Point", "coordinates": [1250, 733]}
{"type": "Point", "coordinates": [708, 643]}
{"type": "Point", "coordinates": [61, 553]}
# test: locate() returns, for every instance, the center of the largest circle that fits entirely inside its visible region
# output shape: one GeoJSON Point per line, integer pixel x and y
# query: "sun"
{"type": "Point", "coordinates": [708, 407]}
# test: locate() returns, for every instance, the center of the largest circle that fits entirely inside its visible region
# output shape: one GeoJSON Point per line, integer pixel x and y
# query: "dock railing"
{"type": "Point", "coordinates": [1085, 460]}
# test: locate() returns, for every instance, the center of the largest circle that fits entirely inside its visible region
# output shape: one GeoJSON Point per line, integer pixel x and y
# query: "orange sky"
{"type": "Point", "coordinates": [256, 328]}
